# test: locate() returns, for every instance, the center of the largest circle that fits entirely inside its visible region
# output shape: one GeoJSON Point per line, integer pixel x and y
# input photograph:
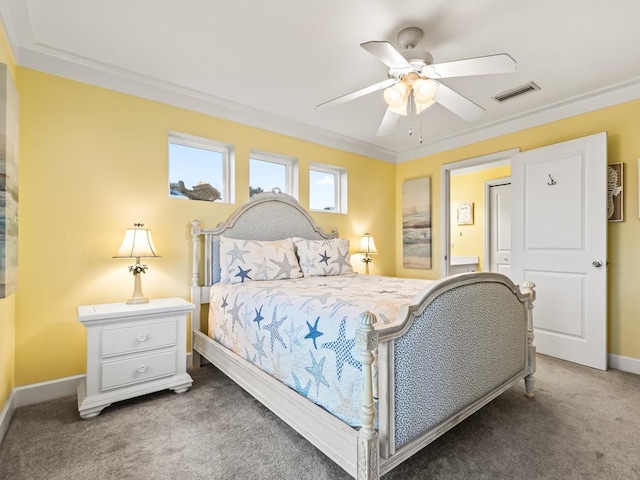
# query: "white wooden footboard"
{"type": "Point", "coordinates": [468, 340]}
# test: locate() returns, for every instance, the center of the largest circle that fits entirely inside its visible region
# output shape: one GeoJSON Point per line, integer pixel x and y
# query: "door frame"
{"type": "Point", "coordinates": [496, 182]}
{"type": "Point", "coordinates": [445, 187]}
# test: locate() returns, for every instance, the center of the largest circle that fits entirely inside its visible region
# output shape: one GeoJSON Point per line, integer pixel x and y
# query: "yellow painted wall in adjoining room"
{"type": "Point", "coordinates": [7, 305]}
{"type": "Point", "coordinates": [93, 162]}
{"type": "Point", "coordinates": [468, 240]}
{"type": "Point", "coordinates": [621, 124]}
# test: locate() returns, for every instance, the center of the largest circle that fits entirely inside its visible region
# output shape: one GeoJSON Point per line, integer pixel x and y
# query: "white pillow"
{"type": "Point", "coordinates": [244, 260]}
{"type": "Point", "coordinates": [323, 257]}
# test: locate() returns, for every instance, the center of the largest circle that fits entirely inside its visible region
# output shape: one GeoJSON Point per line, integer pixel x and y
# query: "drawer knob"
{"type": "Point", "coordinates": [142, 337]}
{"type": "Point", "coordinates": [142, 368]}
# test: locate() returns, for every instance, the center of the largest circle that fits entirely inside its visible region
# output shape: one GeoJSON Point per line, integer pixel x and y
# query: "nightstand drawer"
{"type": "Point", "coordinates": [143, 337]}
{"type": "Point", "coordinates": [138, 369]}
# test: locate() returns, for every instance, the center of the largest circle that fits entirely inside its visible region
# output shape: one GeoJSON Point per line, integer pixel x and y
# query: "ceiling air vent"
{"type": "Point", "coordinates": [516, 92]}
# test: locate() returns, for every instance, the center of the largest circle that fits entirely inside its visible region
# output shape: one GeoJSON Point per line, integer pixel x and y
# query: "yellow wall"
{"type": "Point", "coordinates": [93, 162]}
{"type": "Point", "coordinates": [621, 123]}
{"type": "Point", "coordinates": [7, 305]}
{"type": "Point", "coordinates": [468, 240]}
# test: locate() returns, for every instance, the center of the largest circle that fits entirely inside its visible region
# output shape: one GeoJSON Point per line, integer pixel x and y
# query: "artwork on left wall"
{"type": "Point", "coordinates": [8, 183]}
{"type": "Point", "coordinates": [416, 223]}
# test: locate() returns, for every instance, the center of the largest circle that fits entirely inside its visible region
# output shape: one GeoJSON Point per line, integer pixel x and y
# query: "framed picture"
{"type": "Point", "coordinates": [615, 199]}
{"type": "Point", "coordinates": [416, 223]}
{"type": "Point", "coordinates": [465, 214]}
{"type": "Point", "coordinates": [8, 183]}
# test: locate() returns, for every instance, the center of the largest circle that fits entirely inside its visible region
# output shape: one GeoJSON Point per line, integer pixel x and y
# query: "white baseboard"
{"type": "Point", "coordinates": [43, 391]}
{"type": "Point", "coordinates": [626, 364]}
{"type": "Point", "coordinates": [7, 414]}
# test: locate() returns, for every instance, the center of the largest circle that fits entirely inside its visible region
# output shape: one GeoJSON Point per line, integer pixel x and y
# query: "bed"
{"type": "Point", "coordinates": [439, 354]}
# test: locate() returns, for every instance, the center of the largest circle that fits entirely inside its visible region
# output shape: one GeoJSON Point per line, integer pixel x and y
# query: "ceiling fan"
{"type": "Point", "coordinates": [413, 79]}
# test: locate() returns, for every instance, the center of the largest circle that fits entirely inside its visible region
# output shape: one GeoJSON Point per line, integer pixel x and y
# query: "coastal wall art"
{"type": "Point", "coordinates": [615, 199]}
{"type": "Point", "coordinates": [8, 183]}
{"type": "Point", "coordinates": [416, 223]}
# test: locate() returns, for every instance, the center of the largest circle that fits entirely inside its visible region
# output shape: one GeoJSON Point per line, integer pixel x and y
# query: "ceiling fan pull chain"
{"type": "Point", "coordinates": [420, 120]}
{"type": "Point", "coordinates": [410, 126]}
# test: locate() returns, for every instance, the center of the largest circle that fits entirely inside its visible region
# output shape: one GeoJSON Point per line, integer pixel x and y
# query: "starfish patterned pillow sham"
{"type": "Point", "coordinates": [247, 260]}
{"type": "Point", "coordinates": [323, 257]}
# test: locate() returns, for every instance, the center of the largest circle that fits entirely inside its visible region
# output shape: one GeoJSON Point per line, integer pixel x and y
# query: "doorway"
{"type": "Point", "coordinates": [464, 240]}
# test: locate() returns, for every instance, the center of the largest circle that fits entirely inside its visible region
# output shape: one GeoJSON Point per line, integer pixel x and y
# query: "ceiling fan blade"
{"type": "Point", "coordinates": [461, 106]}
{"type": "Point", "coordinates": [387, 54]}
{"type": "Point", "coordinates": [358, 93]}
{"type": "Point", "coordinates": [500, 63]}
{"type": "Point", "coordinates": [388, 123]}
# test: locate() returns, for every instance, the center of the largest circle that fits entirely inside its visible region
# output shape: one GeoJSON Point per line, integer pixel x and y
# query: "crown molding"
{"type": "Point", "coordinates": [606, 97]}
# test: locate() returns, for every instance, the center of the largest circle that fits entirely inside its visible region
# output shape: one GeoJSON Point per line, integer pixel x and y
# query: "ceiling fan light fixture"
{"type": "Point", "coordinates": [423, 90]}
{"type": "Point", "coordinates": [396, 95]}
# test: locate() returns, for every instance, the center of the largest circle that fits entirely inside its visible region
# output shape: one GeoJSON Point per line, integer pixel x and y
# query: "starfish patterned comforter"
{"type": "Point", "coordinates": [302, 331]}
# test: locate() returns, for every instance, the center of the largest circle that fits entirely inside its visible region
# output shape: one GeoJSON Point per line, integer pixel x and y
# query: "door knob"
{"type": "Point", "coordinates": [597, 263]}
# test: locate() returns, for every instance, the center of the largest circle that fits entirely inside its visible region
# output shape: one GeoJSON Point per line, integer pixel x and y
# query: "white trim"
{"type": "Point", "coordinates": [44, 391]}
{"type": "Point", "coordinates": [625, 364]}
{"type": "Point", "coordinates": [7, 414]}
{"type": "Point", "coordinates": [445, 187]}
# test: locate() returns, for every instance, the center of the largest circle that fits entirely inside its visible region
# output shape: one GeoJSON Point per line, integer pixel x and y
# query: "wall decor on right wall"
{"type": "Point", "coordinates": [615, 197]}
{"type": "Point", "coordinates": [416, 223]}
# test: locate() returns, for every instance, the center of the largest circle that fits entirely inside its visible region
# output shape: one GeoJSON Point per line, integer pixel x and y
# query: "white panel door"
{"type": "Point", "coordinates": [500, 225]}
{"type": "Point", "coordinates": [559, 241]}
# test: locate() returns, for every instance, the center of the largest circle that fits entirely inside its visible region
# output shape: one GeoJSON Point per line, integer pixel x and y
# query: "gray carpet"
{"type": "Point", "coordinates": [583, 424]}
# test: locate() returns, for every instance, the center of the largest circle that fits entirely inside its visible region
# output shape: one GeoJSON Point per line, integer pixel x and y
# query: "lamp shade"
{"type": "Point", "coordinates": [367, 245]}
{"type": "Point", "coordinates": [396, 95]}
{"type": "Point", "coordinates": [137, 243]}
{"type": "Point", "coordinates": [423, 90]}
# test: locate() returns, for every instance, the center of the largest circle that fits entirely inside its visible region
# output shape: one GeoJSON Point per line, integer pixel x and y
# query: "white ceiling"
{"type": "Point", "coordinates": [269, 64]}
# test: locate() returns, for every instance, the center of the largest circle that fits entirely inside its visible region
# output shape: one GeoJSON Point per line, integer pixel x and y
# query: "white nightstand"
{"type": "Point", "coordinates": [133, 350]}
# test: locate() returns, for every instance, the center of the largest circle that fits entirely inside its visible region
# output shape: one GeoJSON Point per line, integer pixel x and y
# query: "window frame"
{"type": "Point", "coordinates": [228, 159]}
{"type": "Point", "coordinates": [340, 186]}
{"type": "Point", "coordinates": [290, 164]}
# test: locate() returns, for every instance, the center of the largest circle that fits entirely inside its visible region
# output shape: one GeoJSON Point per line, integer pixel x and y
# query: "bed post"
{"type": "Point", "coordinates": [367, 342]}
{"type": "Point", "coordinates": [195, 292]}
{"type": "Point", "coordinates": [529, 382]}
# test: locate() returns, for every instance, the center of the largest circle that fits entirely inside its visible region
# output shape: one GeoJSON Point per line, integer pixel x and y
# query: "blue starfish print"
{"type": "Point", "coordinates": [273, 329]}
{"type": "Point", "coordinates": [343, 347]}
{"type": "Point", "coordinates": [292, 333]}
{"type": "Point", "coordinates": [224, 302]}
{"type": "Point", "coordinates": [243, 273]}
{"type": "Point", "coordinates": [237, 254]}
{"type": "Point", "coordinates": [313, 332]}
{"type": "Point", "coordinates": [259, 346]}
{"type": "Point", "coordinates": [259, 316]}
{"type": "Point", "coordinates": [235, 317]}
{"type": "Point", "coordinates": [316, 370]}
{"type": "Point", "coordinates": [324, 258]}
{"type": "Point", "coordinates": [302, 391]}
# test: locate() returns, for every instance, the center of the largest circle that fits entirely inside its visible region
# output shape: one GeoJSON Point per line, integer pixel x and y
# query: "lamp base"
{"type": "Point", "coordinates": [137, 300]}
{"type": "Point", "coordinates": [137, 296]}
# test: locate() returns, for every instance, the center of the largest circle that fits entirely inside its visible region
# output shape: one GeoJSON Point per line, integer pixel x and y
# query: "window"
{"type": "Point", "coordinates": [268, 171]}
{"type": "Point", "coordinates": [200, 168]}
{"type": "Point", "coordinates": [327, 188]}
